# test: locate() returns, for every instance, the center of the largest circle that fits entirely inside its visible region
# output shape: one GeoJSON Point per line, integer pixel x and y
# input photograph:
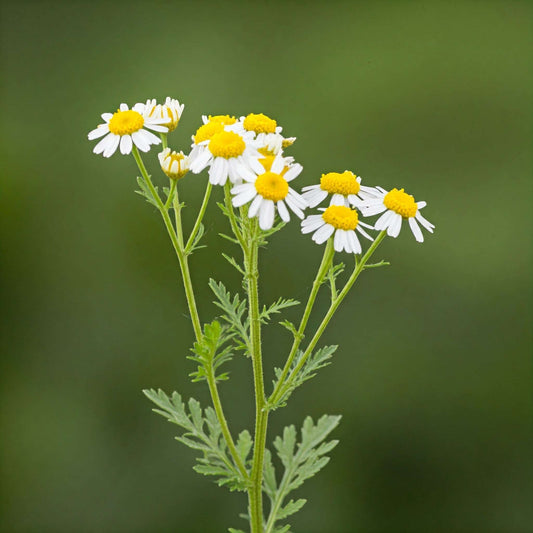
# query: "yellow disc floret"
{"type": "Point", "coordinates": [271, 186]}
{"type": "Point", "coordinates": [337, 183]}
{"type": "Point", "coordinates": [400, 202]}
{"type": "Point", "coordinates": [259, 123]}
{"type": "Point", "coordinates": [205, 132]}
{"type": "Point", "coordinates": [126, 122]}
{"type": "Point", "coordinates": [226, 144]}
{"type": "Point", "coordinates": [223, 119]}
{"type": "Point", "coordinates": [341, 217]}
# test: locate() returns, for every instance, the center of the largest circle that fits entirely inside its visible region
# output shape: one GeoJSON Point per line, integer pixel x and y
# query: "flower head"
{"type": "Point", "coordinates": [266, 131]}
{"type": "Point", "coordinates": [341, 221]}
{"type": "Point", "coordinates": [269, 190]}
{"type": "Point", "coordinates": [174, 164]}
{"type": "Point", "coordinates": [398, 206]}
{"type": "Point", "coordinates": [125, 127]}
{"type": "Point", "coordinates": [170, 111]}
{"type": "Point", "coordinates": [344, 187]}
{"type": "Point", "coordinates": [229, 154]}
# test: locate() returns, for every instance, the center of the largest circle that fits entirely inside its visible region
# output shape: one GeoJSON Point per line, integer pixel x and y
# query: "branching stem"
{"type": "Point", "coordinates": [176, 237]}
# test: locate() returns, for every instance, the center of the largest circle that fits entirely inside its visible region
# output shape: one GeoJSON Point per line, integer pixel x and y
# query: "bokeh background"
{"type": "Point", "coordinates": [433, 376]}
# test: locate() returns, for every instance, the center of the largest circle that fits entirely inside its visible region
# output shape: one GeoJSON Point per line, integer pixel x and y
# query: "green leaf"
{"type": "Point", "coordinates": [376, 265]}
{"type": "Point", "coordinates": [231, 530]}
{"type": "Point", "coordinates": [244, 445]}
{"type": "Point", "coordinates": [145, 191]}
{"type": "Point", "coordinates": [269, 476]}
{"type": "Point", "coordinates": [202, 433]}
{"type": "Point", "coordinates": [290, 508]}
{"type": "Point", "coordinates": [290, 326]}
{"type": "Point", "coordinates": [234, 310]}
{"type": "Point", "coordinates": [301, 461]}
{"type": "Point", "coordinates": [210, 354]}
{"type": "Point", "coordinates": [232, 261]}
{"type": "Point", "coordinates": [195, 245]}
{"type": "Point", "coordinates": [276, 307]}
{"type": "Point", "coordinates": [314, 362]}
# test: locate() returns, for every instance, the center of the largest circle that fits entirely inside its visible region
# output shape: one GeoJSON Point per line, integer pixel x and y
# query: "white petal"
{"type": "Point", "coordinates": [254, 206]}
{"type": "Point", "coordinates": [125, 144]}
{"type": "Point", "coordinates": [123, 107]}
{"type": "Point", "coordinates": [98, 132]}
{"type": "Point", "coordinates": [200, 161]}
{"type": "Point", "coordinates": [277, 165]}
{"type": "Point", "coordinates": [310, 187]}
{"type": "Point", "coordinates": [256, 166]}
{"type": "Point", "coordinates": [384, 220]}
{"type": "Point", "coordinates": [294, 208]}
{"type": "Point", "coordinates": [337, 199]}
{"type": "Point", "coordinates": [338, 241]}
{"type": "Point", "coordinates": [156, 127]}
{"type": "Point", "coordinates": [363, 232]}
{"type": "Point", "coordinates": [244, 197]}
{"type": "Point", "coordinates": [140, 142]}
{"type": "Point", "coordinates": [415, 228]}
{"type": "Point", "coordinates": [150, 137]}
{"type": "Point", "coordinates": [395, 226]}
{"type": "Point", "coordinates": [323, 234]}
{"type": "Point", "coordinates": [426, 223]}
{"type": "Point", "coordinates": [373, 209]}
{"type": "Point", "coordinates": [107, 116]}
{"type": "Point", "coordinates": [313, 198]}
{"type": "Point", "coordinates": [102, 145]}
{"type": "Point", "coordinates": [266, 215]}
{"type": "Point", "coordinates": [283, 211]}
{"type": "Point", "coordinates": [421, 205]}
{"type": "Point", "coordinates": [293, 172]}
{"type": "Point", "coordinates": [112, 146]}
{"type": "Point", "coordinates": [312, 223]}
{"type": "Point", "coordinates": [356, 245]}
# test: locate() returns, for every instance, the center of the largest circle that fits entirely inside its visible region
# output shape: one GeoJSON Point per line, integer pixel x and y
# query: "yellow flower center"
{"type": "Point", "coordinates": [337, 183]}
{"type": "Point", "coordinates": [259, 123]}
{"type": "Point", "coordinates": [205, 132]}
{"type": "Point", "coordinates": [223, 119]}
{"type": "Point", "coordinates": [271, 186]}
{"type": "Point", "coordinates": [226, 144]}
{"type": "Point", "coordinates": [341, 217]}
{"type": "Point", "coordinates": [401, 202]}
{"type": "Point", "coordinates": [125, 122]}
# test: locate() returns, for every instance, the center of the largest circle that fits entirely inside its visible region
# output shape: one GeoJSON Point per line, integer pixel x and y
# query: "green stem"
{"type": "Point", "coordinates": [323, 269]}
{"type": "Point", "coordinates": [164, 143]}
{"type": "Point", "coordinates": [261, 414]}
{"type": "Point", "coordinates": [173, 185]}
{"type": "Point", "coordinates": [233, 219]}
{"type": "Point", "coordinates": [199, 218]}
{"type": "Point", "coordinates": [176, 237]}
{"type": "Point", "coordinates": [360, 265]}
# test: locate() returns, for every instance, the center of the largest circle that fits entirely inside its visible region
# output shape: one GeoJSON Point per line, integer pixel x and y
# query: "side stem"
{"type": "Point", "coordinates": [360, 265]}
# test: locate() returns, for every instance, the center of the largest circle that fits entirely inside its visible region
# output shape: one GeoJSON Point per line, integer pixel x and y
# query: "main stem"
{"type": "Point", "coordinates": [255, 493]}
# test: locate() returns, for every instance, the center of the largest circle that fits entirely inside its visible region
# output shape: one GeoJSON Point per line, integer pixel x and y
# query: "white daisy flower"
{"type": "Point", "coordinates": [267, 133]}
{"type": "Point", "coordinates": [174, 164]}
{"type": "Point", "coordinates": [125, 128]}
{"type": "Point", "coordinates": [398, 205]}
{"type": "Point", "coordinates": [228, 154]}
{"type": "Point", "coordinates": [269, 190]}
{"type": "Point", "coordinates": [342, 221]}
{"type": "Point", "coordinates": [171, 111]}
{"type": "Point", "coordinates": [344, 187]}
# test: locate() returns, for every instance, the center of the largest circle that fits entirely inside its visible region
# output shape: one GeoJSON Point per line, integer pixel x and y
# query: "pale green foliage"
{"type": "Point", "coordinates": [203, 433]}
{"type": "Point", "coordinates": [300, 462]}
{"type": "Point", "coordinates": [210, 354]}
{"type": "Point", "coordinates": [314, 362]}
{"type": "Point", "coordinates": [145, 191]}
{"type": "Point", "coordinates": [235, 312]}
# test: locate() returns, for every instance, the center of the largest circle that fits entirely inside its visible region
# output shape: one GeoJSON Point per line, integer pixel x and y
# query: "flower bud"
{"type": "Point", "coordinates": [174, 164]}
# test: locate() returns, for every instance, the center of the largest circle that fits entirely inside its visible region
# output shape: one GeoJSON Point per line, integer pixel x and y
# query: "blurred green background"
{"type": "Point", "coordinates": [433, 376]}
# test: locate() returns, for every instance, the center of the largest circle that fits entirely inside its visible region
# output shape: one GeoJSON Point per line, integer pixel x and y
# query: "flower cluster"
{"type": "Point", "coordinates": [247, 155]}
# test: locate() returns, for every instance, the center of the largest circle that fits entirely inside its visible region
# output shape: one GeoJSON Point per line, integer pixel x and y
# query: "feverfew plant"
{"type": "Point", "coordinates": [245, 157]}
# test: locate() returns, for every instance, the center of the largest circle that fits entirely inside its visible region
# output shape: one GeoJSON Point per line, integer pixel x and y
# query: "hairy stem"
{"type": "Point", "coordinates": [261, 415]}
